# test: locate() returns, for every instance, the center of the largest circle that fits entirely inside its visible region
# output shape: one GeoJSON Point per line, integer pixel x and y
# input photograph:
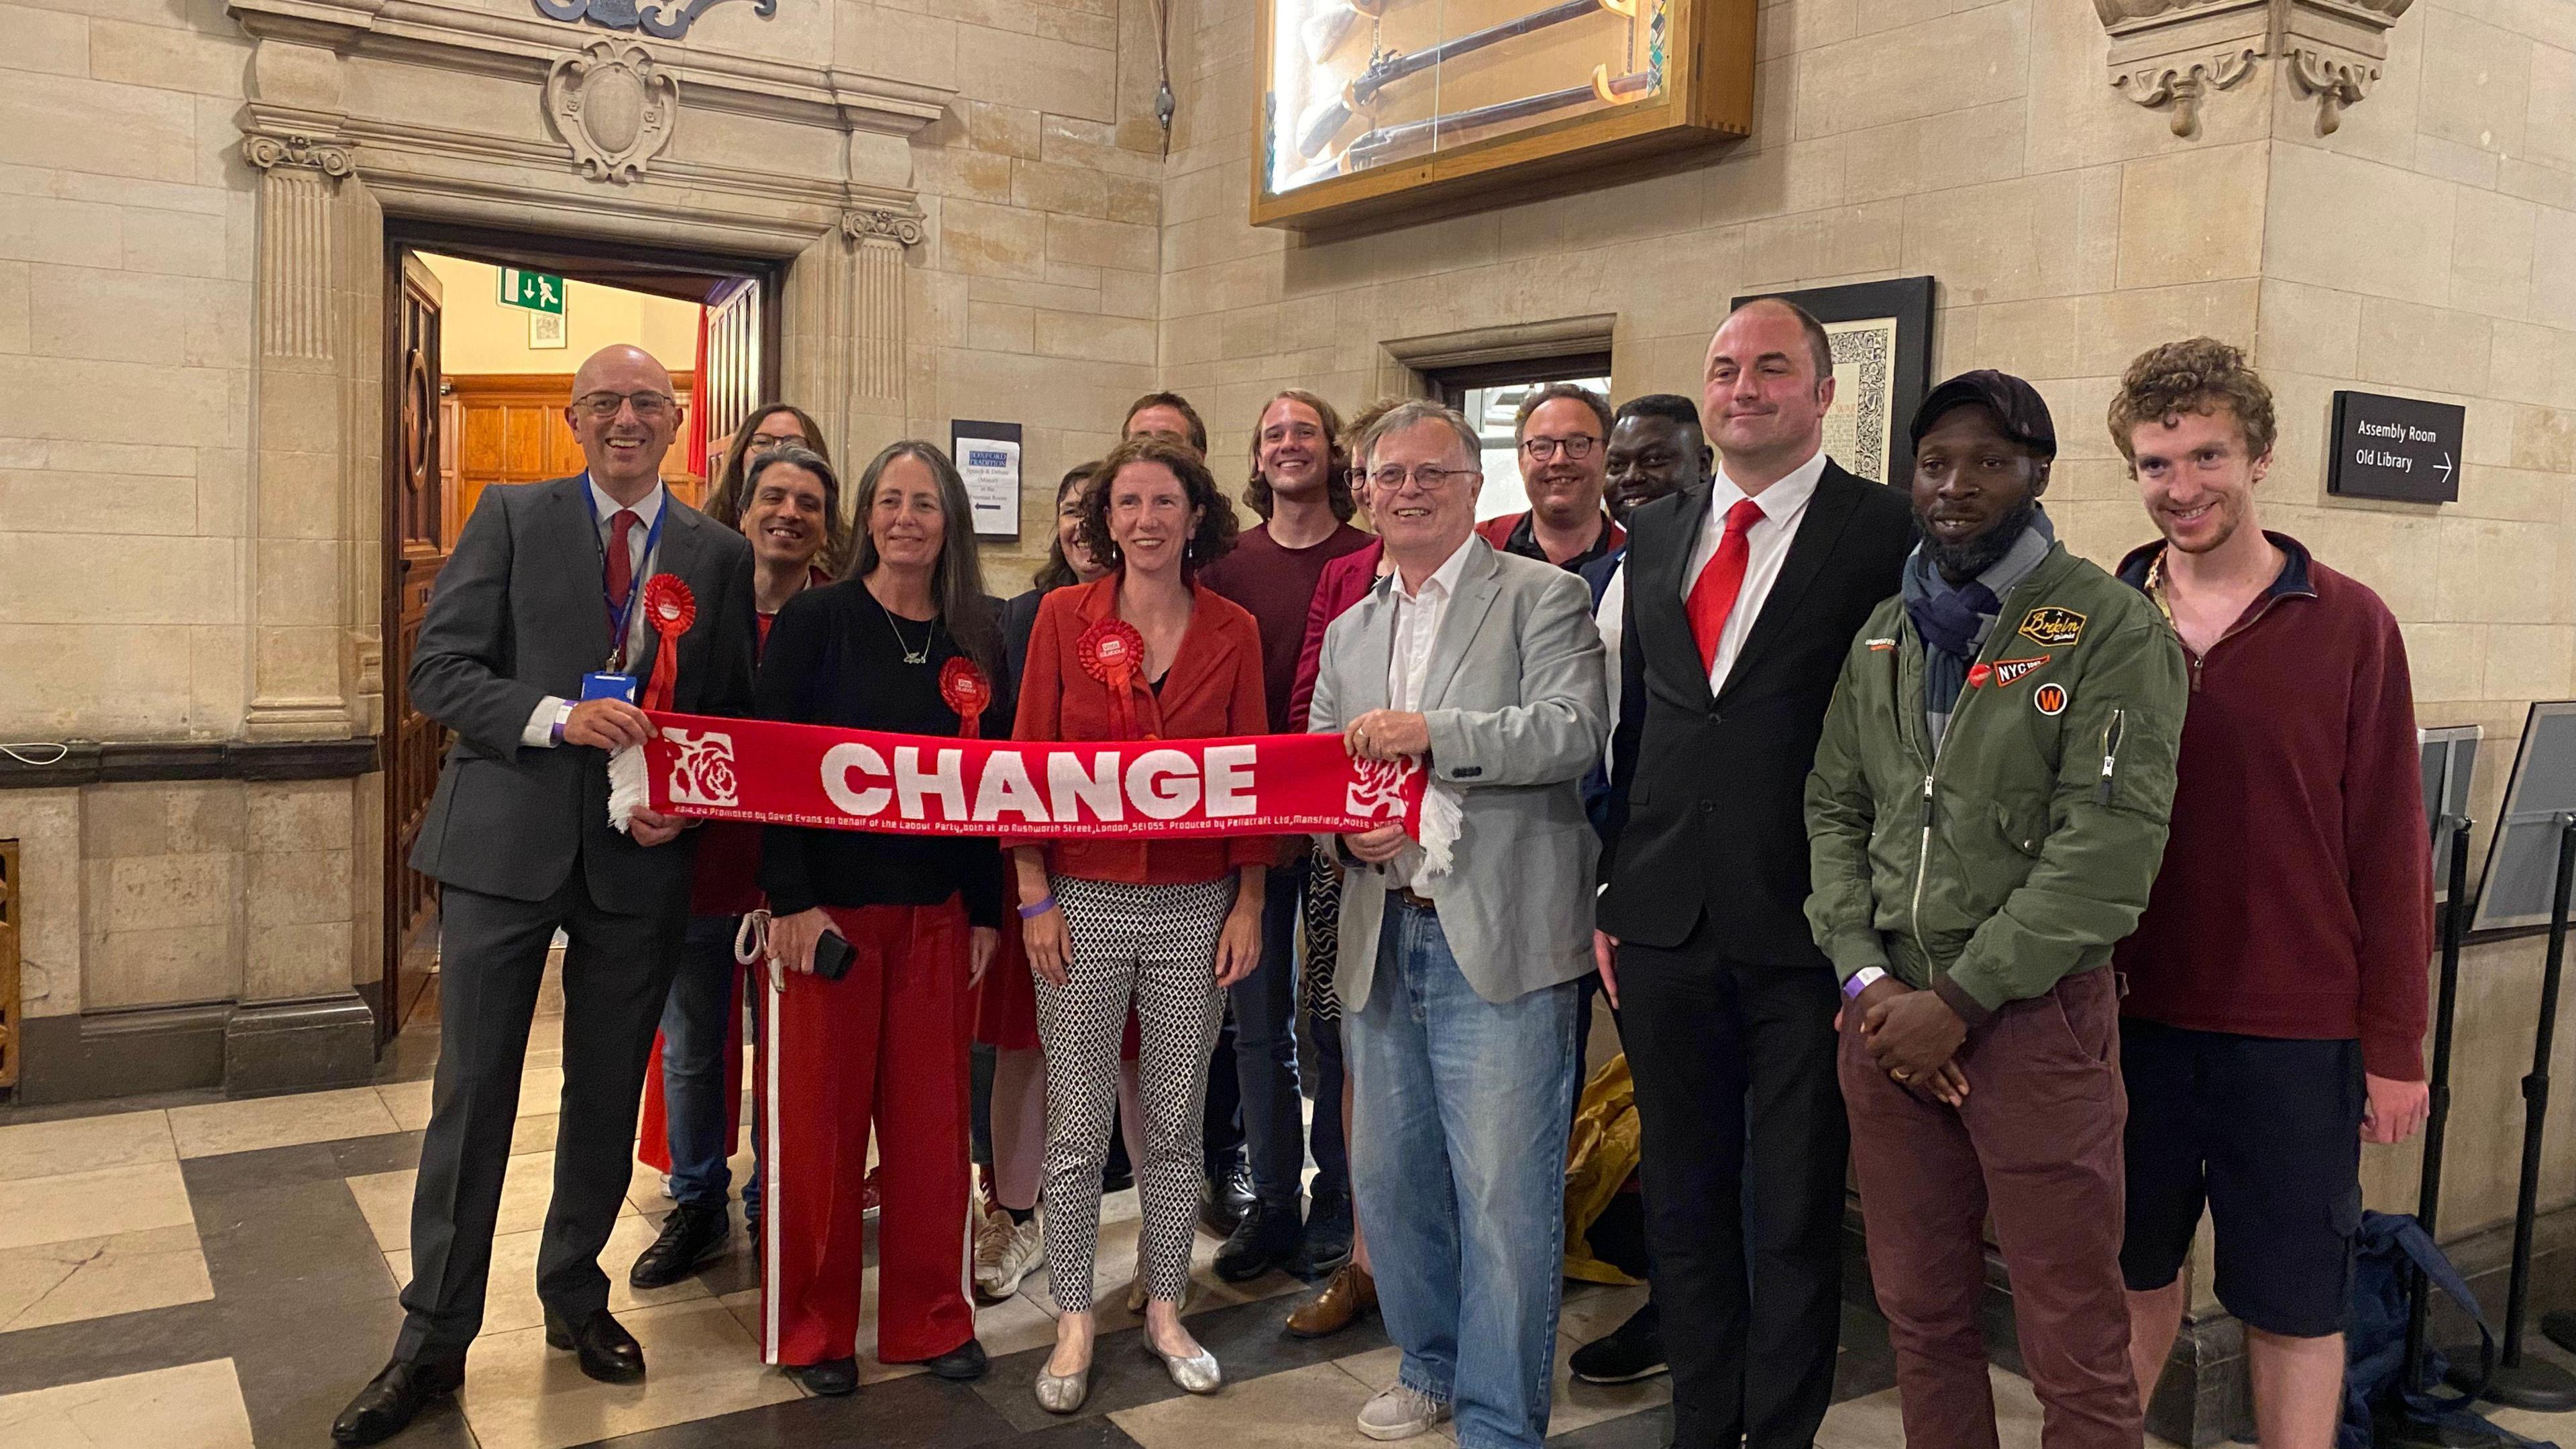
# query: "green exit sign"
{"type": "Point", "coordinates": [536, 291]}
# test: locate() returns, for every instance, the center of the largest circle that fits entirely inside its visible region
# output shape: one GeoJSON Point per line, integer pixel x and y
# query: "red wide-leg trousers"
{"type": "Point", "coordinates": [884, 1044]}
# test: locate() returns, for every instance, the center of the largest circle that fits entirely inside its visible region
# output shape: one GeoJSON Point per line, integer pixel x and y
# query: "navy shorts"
{"type": "Point", "coordinates": [2267, 1133]}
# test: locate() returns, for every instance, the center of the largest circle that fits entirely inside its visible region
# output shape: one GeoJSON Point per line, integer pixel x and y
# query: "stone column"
{"type": "Point", "coordinates": [298, 617]}
{"type": "Point", "coordinates": [844, 332]}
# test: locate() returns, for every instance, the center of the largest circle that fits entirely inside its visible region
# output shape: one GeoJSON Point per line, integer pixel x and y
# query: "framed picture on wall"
{"type": "Point", "coordinates": [1882, 340]}
{"type": "Point", "coordinates": [1370, 107]}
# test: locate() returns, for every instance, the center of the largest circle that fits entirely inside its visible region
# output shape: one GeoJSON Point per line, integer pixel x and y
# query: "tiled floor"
{"type": "Point", "coordinates": [208, 1274]}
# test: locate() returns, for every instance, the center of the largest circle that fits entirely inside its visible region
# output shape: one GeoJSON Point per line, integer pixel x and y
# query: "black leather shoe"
{"type": "Point", "coordinates": [965, 1361]}
{"type": "Point", "coordinates": [386, 1405]}
{"type": "Point", "coordinates": [1226, 1198]}
{"type": "Point", "coordinates": [1632, 1351]}
{"type": "Point", "coordinates": [690, 1236]}
{"type": "Point", "coordinates": [1267, 1238]}
{"type": "Point", "coordinates": [832, 1378]}
{"type": "Point", "coordinates": [608, 1352]}
{"type": "Point", "coordinates": [1327, 1242]}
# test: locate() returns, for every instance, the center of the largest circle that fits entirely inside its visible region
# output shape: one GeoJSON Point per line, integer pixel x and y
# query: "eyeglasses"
{"type": "Point", "coordinates": [1578, 447]}
{"type": "Point", "coordinates": [648, 404]}
{"type": "Point", "coordinates": [1425, 477]}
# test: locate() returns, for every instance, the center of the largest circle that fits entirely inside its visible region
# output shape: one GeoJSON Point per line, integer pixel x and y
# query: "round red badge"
{"type": "Point", "coordinates": [1979, 674]}
{"type": "Point", "coordinates": [967, 692]}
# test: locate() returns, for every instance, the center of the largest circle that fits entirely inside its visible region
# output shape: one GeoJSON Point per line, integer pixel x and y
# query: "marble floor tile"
{"type": "Point", "coordinates": [1875, 1421]}
{"type": "Point", "coordinates": [221, 1127]}
{"type": "Point", "coordinates": [84, 1278]}
{"type": "Point", "coordinates": [1308, 1408]}
{"type": "Point", "coordinates": [1575, 1406]}
{"type": "Point", "coordinates": [197, 1406]}
{"type": "Point", "coordinates": [510, 1299]}
{"type": "Point", "coordinates": [700, 1363]}
{"type": "Point", "coordinates": [96, 1204]}
{"type": "Point", "coordinates": [85, 1144]}
{"type": "Point", "coordinates": [540, 1093]}
{"type": "Point", "coordinates": [385, 1199]}
{"type": "Point", "coordinates": [1593, 1309]}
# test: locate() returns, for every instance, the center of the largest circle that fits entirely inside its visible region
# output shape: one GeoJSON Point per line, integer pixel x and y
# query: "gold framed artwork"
{"type": "Point", "coordinates": [1370, 107]}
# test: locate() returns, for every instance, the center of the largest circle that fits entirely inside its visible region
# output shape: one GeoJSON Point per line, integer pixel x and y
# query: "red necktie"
{"type": "Point", "coordinates": [621, 565]}
{"type": "Point", "coordinates": [1713, 597]}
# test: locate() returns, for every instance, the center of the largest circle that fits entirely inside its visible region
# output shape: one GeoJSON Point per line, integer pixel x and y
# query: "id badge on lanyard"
{"type": "Point", "coordinates": [612, 681]}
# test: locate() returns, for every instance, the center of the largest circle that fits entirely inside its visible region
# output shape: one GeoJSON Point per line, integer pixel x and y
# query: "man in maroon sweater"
{"type": "Point", "coordinates": [2275, 1015]}
{"type": "Point", "coordinates": [1301, 487]}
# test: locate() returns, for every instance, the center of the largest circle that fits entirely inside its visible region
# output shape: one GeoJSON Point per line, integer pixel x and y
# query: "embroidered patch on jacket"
{"type": "Point", "coordinates": [2013, 671]}
{"type": "Point", "coordinates": [2052, 626]}
{"type": "Point", "coordinates": [2049, 699]}
{"type": "Point", "coordinates": [1879, 646]}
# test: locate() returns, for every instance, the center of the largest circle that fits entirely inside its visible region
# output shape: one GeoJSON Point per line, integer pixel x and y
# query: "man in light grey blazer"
{"type": "Point", "coordinates": [1459, 953]}
{"type": "Point", "coordinates": [544, 587]}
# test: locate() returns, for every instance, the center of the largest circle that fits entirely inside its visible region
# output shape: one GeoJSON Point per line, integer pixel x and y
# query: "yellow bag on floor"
{"type": "Point", "coordinates": [1598, 1159]}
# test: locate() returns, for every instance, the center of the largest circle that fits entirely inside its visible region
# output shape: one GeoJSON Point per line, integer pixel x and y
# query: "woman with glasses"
{"type": "Point", "coordinates": [774, 425]}
{"type": "Point", "coordinates": [1145, 651]}
{"type": "Point", "coordinates": [907, 644]}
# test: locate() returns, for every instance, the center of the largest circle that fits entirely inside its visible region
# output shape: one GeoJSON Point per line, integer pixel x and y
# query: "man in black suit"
{"type": "Point", "coordinates": [541, 590]}
{"type": "Point", "coordinates": [1743, 594]}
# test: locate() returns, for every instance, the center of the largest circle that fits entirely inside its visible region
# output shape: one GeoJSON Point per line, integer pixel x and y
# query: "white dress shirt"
{"type": "Point", "coordinates": [1783, 504]}
{"type": "Point", "coordinates": [1418, 614]}
{"type": "Point", "coordinates": [540, 731]}
{"type": "Point", "coordinates": [1611, 617]}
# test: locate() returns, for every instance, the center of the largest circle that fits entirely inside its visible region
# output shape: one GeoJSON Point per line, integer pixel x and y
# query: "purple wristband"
{"type": "Point", "coordinates": [1035, 909]}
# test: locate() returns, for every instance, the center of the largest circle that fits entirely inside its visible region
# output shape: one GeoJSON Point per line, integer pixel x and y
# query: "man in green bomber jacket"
{"type": "Point", "coordinates": [1986, 815]}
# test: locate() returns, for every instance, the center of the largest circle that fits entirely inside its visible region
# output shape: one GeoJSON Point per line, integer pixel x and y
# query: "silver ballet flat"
{"type": "Point", "coordinates": [1063, 1393]}
{"type": "Point", "coordinates": [1196, 1373]}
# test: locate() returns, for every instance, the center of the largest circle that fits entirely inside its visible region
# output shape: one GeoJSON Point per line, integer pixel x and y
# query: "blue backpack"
{"type": "Point", "coordinates": [2389, 1247]}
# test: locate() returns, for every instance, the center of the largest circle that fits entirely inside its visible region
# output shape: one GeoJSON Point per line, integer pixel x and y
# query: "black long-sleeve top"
{"type": "Point", "coordinates": [833, 659]}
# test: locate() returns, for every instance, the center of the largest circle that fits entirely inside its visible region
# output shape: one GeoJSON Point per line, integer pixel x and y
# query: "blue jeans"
{"type": "Point", "coordinates": [697, 1101]}
{"type": "Point", "coordinates": [1265, 1049]}
{"type": "Point", "coordinates": [1461, 1114]}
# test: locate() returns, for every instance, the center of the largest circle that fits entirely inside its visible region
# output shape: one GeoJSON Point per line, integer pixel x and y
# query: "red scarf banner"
{"type": "Point", "coordinates": [840, 779]}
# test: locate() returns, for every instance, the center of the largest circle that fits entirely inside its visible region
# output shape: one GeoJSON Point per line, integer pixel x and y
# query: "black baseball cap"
{"type": "Point", "coordinates": [2017, 406]}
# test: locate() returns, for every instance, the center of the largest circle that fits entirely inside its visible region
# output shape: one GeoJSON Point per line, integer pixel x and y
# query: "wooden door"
{"type": "Point", "coordinates": [731, 387]}
{"type": "Point", "coordinates": [418, 533]}
{"type": "Point", "coordinates": [510, 428]}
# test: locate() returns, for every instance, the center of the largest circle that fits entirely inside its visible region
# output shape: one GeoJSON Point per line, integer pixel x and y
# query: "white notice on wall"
{"type": "Point", "coordinates": [991, 468]}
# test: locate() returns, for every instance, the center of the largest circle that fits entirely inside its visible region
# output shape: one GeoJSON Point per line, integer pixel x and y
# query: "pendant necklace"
{"type": "Point", "coordinates": [910, 654]}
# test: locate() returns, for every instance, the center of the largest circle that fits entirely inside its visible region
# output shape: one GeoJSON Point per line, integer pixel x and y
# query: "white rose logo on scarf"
{"type": "Point", "coordinates": [1378, 792]}
{"type": "Point", "coordinates": [702, 771]}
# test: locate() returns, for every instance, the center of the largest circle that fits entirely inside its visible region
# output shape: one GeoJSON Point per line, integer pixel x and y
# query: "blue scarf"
{"type": "Point", "coordinates": [1955, 619]}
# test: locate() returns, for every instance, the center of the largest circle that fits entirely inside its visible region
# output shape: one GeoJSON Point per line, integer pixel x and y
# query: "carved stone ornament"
{"type": "Point", "coordinates": [614, 107]}
{"type": "Point", "coordinates": [669, 22]}
{"type": "Point", "coordinates": [2175, 52]}
{"type": "Point", "coordinates": [902, 228]}
{"type": "Point", "coordinates": [270, 152]}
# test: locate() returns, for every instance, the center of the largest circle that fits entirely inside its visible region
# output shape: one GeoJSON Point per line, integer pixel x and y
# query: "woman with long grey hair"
{"type": "Point", "coordinates": [906, 643]}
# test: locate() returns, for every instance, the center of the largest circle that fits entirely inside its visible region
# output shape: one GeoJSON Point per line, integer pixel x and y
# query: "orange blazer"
{"type": "Point", "coordinates": [1213, 690]}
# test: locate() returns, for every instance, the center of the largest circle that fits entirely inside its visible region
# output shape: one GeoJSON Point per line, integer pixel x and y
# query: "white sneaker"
{"type": "Point", "coordinates": [1005, 1253]}
{"type": "Point", "coordinates": [1401, 1413]}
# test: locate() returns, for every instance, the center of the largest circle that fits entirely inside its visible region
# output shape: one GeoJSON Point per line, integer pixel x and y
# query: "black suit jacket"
{"type": "Point", "coordinates": [517, 616]}
{"type": "Point", "coordinates": [1707, 812]}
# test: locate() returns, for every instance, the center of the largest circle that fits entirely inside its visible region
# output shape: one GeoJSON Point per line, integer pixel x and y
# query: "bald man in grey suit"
{"type": "Point", "coordinates": [541, 590]}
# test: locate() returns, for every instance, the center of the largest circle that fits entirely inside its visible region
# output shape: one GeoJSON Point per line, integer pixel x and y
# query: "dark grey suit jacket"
{"type": "Point", "coordinates": [517, 616]}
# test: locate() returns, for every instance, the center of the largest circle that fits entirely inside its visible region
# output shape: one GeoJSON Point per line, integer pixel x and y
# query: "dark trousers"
{"type": "Point", "coordinates": [1265, 1048]}
{"type": "Point", "coordinates": [2037, 1145]}
{"type": "Point", "coordinates": [492, 955]}
{"type": "Point", "coordinates": [1743, 1141]}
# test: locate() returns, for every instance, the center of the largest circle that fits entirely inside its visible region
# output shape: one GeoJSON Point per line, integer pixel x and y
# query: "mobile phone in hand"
{"type": "Point", "coordinates": [832, 956]}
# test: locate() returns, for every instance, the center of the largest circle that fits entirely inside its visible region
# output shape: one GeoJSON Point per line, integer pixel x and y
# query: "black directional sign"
{"type": "Point", "coordinates": [2395, 447]}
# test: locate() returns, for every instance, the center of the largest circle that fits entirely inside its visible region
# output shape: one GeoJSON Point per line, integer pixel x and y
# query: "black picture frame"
{"type": "Point", "coordinates": [1908, 302]}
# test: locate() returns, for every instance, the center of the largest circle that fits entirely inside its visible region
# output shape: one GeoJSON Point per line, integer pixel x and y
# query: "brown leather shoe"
{"type": "Point", "coordinates": [1351, 1293]}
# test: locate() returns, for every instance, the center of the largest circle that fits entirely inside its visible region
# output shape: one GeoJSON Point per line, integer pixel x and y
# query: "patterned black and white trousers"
{"type": "Point", "coordinates": [1154, 945]}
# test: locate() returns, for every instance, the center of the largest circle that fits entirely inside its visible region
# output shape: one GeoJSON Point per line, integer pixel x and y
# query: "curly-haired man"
{"type": "Point", "coordinates": [2301, 988]}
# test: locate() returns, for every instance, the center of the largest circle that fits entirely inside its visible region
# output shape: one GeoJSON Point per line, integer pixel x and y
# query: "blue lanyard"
{"type": "Point", "coordinates": [618, 612]}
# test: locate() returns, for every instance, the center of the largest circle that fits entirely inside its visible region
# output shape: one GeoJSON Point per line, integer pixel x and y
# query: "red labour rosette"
{"type": "Point", "coordinates": [967, 692]}
{"type": "Point", "coordinates": [1112, 652]}
{"type": "Point", "coordinates": [669, 610]}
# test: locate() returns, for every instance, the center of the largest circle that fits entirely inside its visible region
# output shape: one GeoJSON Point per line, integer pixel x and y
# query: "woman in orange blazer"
{"type": "Point", "coordinates": [1144, 652]}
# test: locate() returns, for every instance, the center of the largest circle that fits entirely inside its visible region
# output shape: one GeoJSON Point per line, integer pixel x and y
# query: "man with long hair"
{"type": "Point", "coordinates": [1301, 488]}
